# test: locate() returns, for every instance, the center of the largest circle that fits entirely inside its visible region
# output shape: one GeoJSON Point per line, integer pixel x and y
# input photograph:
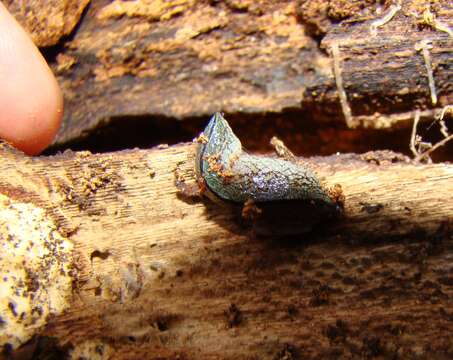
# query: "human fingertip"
{"type": "Point", "coordinates": [31, 102]}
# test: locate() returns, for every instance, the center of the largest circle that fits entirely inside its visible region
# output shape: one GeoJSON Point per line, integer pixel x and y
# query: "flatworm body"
{"type": "Point", "coordinates": [234, 175]}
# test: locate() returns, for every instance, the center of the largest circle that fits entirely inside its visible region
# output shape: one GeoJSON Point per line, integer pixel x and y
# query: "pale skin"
{"type": "Point", "coordinates": [31, 102]}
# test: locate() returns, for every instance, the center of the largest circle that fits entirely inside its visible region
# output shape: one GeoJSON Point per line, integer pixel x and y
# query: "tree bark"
{"type": "Point", "coordinates": [47, 21]}
{"type": "Point", "coordinates": [182, 60]}
{"type": "Point", "coordinates": [163, 276]}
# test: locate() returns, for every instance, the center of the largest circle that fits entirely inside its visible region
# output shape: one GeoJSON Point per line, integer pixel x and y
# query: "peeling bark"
{"type": "Point", "coordinates": [186, 59]}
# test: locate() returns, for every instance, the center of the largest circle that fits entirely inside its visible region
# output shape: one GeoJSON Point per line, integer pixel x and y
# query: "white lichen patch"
{"type": "Point", "coordinates": [35, 271]}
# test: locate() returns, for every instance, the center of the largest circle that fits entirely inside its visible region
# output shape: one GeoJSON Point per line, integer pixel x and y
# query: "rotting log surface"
{"type": "Point", "coordinates": [47, 21]}
{"type": "Point", "coordinates": [184, 59]}
{"type": "Point", "coordinates": [163, 277]}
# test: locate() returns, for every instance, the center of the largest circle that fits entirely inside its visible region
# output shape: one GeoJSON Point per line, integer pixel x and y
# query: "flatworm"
{"type": "Point", "coordinates": [234, 175]}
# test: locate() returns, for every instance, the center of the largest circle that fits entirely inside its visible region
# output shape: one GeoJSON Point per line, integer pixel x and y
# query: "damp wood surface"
{"type": "Point", "coordinates": [160, 276]}
{"type": "Point", "coordinates": [181, 60]}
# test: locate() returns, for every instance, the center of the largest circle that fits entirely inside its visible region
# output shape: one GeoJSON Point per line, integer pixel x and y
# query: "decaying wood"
{"type": "Point", "coordinates": [162, 276]}
{"type": "Point", "coordinates": [399, 67]}
{"type": "Point", "coordinates": [184, 59]}
{"type": "Point", "coordinates": [47, 21]}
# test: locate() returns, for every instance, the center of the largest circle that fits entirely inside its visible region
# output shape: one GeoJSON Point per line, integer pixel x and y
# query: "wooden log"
{"type": "Point", "coordinates": [373, 61]}
{"type": "Point", "coordinates": [181, 60]}
{"type": "Point", "coordinates": [162, 276]}
{"type": "Point", "coordinates": [47, 21]}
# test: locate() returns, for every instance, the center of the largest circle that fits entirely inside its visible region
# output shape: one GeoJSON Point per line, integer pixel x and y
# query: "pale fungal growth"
{"type": "Point", "coordinates": [443, 127]}
{"type": "Point", "coordinates": [424, 46]}
{"type": "Point", "coordinates": [430, 19]}
{"type": "Point", "coordinates": [414, 137]}
{"type": "Point", "coordinates": [391, 12]}
{"type": "Point", "coordinates": [231, 174]}
{"type": "Point", "coordinates": [339, 82]}
{"type": "Point", "coordinates": [35, 271]}
{"type": "Point", "coordinates": [421, 149]}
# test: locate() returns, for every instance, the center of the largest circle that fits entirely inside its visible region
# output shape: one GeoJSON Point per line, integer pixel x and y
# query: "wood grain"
{"type": "Point", "coordinates": [162, 276]}
{"type": "Point", "coordinates": [183, 60]}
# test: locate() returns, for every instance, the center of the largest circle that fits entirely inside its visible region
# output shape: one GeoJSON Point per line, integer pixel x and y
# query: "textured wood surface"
{"type": "Point", "coordinates": [47, 21]}
{"type": "Point", "coordinates": [162, 276]}
{"type": "Point", "coordinates": [159, 275]}
{"type": "Point", "coordinates": [152, 60]}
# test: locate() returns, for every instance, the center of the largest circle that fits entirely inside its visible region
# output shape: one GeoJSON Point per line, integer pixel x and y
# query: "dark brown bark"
{"type": "Point", "coordinates": [181, 60]}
